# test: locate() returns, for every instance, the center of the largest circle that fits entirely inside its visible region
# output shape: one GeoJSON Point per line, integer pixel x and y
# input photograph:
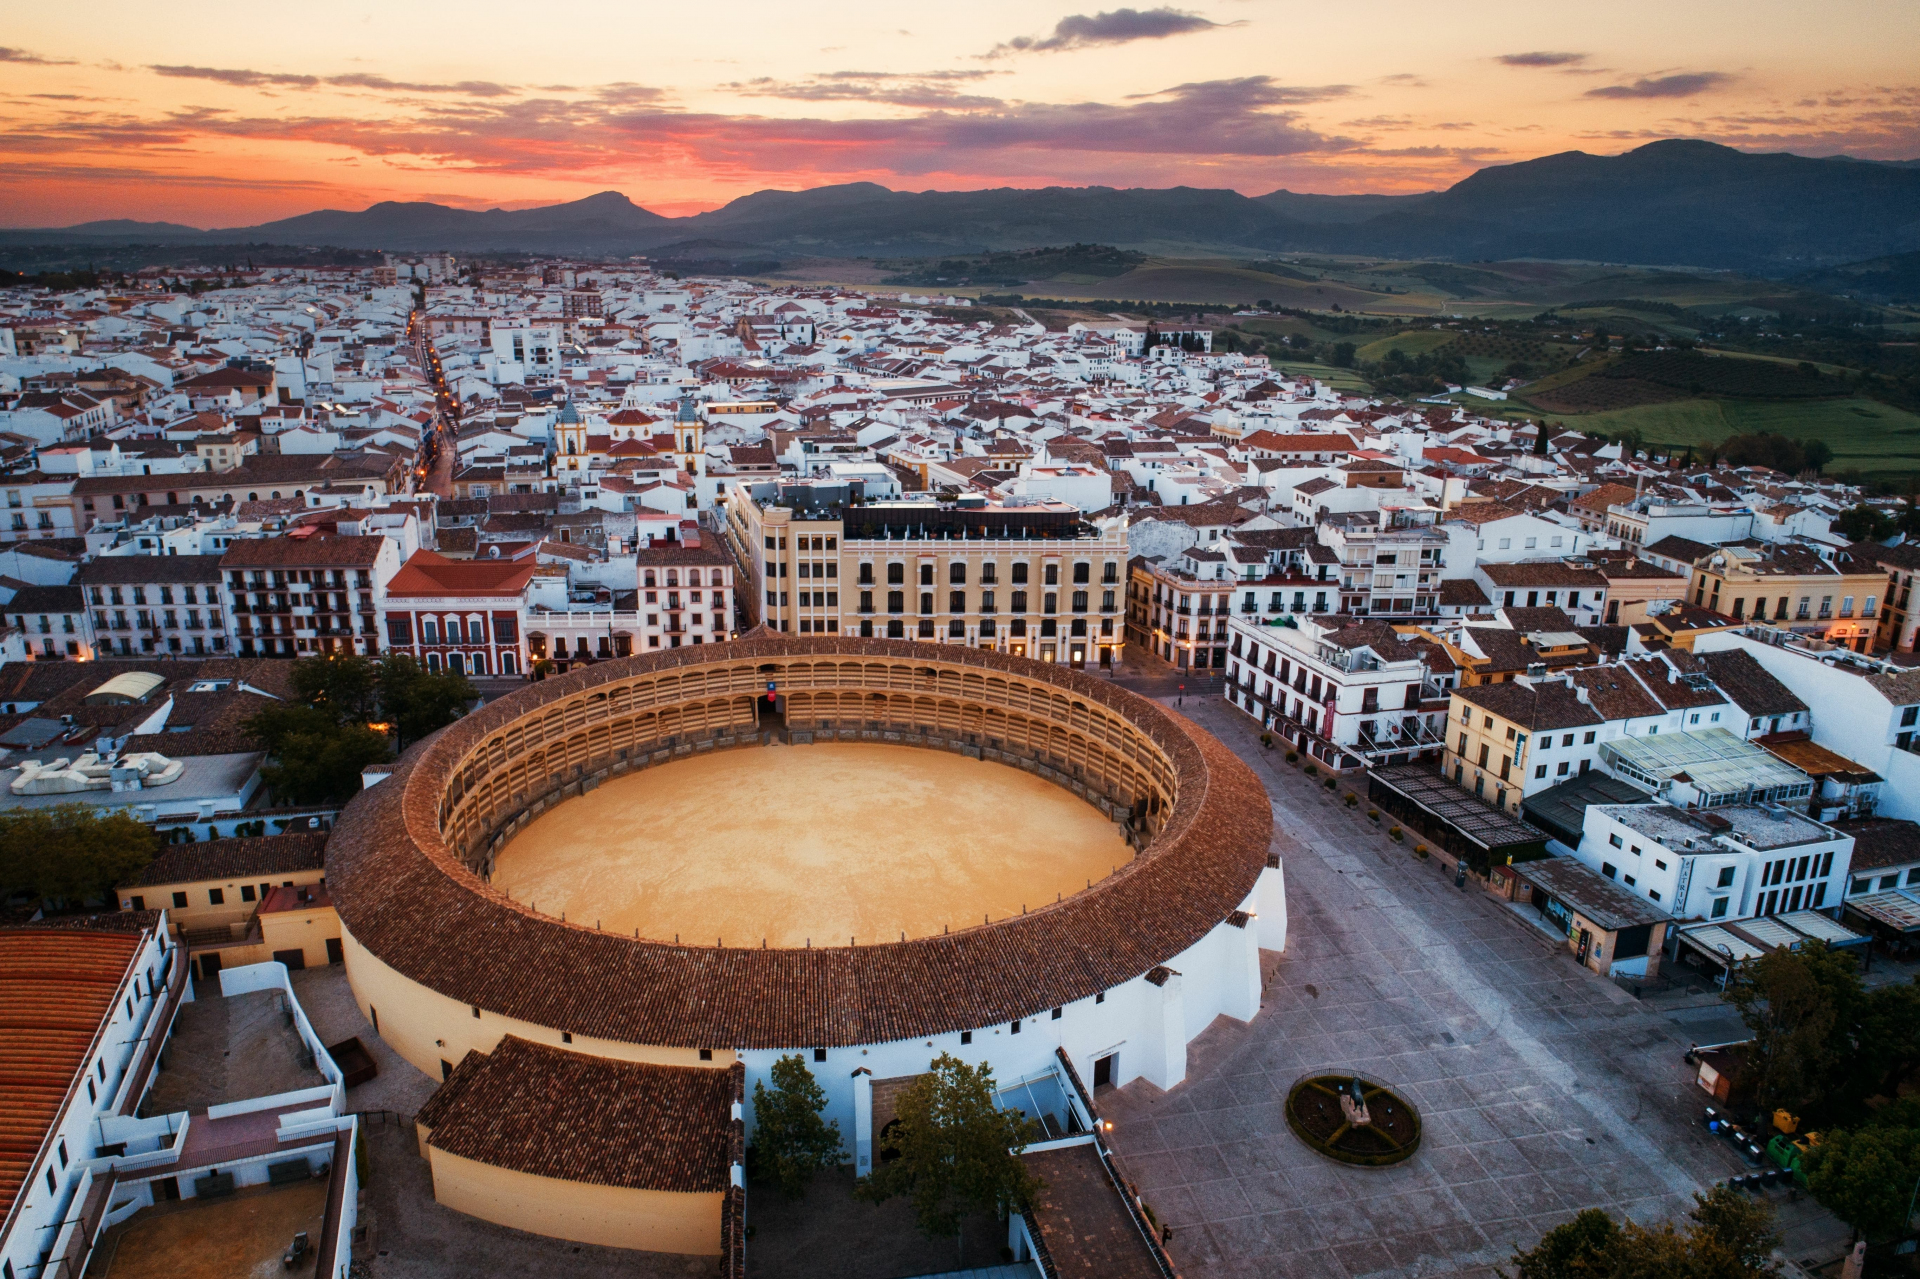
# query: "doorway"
{"type": "Point", "coordinates": [293, 959]}
{"type": "Point", "coordinates": [1104, 1069]}
{"type": "Point", "coordinates": [209, 965]}
{"type": "Point", "coordinates": [1586, 944]}
{"type": "Point", "coordinates": [336, 954]}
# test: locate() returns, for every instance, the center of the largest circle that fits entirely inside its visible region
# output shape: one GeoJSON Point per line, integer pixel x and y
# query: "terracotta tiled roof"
{"type": "Point", "coordinates": [240, 858]}
{"type": "Point", "coordinates": [56, 986]}
{"type": "Point", "coordinates": [403, 894]}
{"type": "Point", "coordinates": [575, 1117]}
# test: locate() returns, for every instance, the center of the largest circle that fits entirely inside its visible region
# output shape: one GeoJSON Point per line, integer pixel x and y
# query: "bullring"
{"type": "Point", "coordinates": [1120, 976]}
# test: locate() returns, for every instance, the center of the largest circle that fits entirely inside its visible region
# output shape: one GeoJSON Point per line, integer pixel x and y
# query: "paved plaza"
{"type": "Point", "coordinates": [1544, 1088]}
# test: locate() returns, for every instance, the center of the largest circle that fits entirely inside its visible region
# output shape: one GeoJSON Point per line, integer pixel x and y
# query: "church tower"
{"type": "Point", "coordinates": [689, 440]}
{"type": "Point", "coordinates": [570, 439]}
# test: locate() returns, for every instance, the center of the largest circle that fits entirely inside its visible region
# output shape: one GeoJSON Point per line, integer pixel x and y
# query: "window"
{"type": "Point", "coordinates": [1588, 739]}
{"type": "Point", "coordinates": [1609, 870]}
{"type": "Point", "coordinates": [1719, 908]}
{"type": "Point", "coordinates": [1051, 575]}
{"type": "Point", "coordinates": [1019, 572]}
{"type": "Point", "coordinates": [819, 1054]}
{"type": "Point", "coordinates": [1614, 840]}
{"type": "Point", "coordinates": [1654, 894]}
{"type": "Point", "coordinates": [926, 575]}
{"type": "Point", "coordinates": [179, 901]}
{"type": "Point", "coordinates": [966, 1036]}
{"type": "Point", "coordinates": [1082, 573]}
{"type": "Point", "coordinates": [246, 892]}
{"type": "Point", "coordinates": [896, 574]}
{"type": "Point", "coordinates": [957, 573]}
{"type": "Point", "coordinates": [1541, 772]}
{"type": "Point", "coordinates": [216, 897]}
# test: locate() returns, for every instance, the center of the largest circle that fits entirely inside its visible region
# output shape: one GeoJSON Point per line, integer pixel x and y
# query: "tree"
{"type": "Point", "coordinates": [956, 1148]}
{"type": "Point", "coordinates": [1343, 355]}
{"type": "Point", "coordinates": [1729, 1237]}
{"type": "Point", "coordinates": [417, 701]}
{"type": "Point", "coordinates": [1816, 452]}
{"type": "Point", "coordinates": [1792, 1015]}
{"type": "Point", "coordinates": [68, 854]}
{"type": "Point", "coordinates": [1540, 441]}
{"type": "Point", "coordinates": [791, 1141]}
{"type": "Point", "coordinates": [1866, 1177]}
{"type": "Point", "coordinates": [1889, 1039]}
{"type": "Point", "coordinates": [341, 684]}
{"type": "Point", "coordinates": [1569, 1249]}
{"type": "Point", "coordinates": [314, 758]}
{"type": "Point", "coordinates": [1863, 523]}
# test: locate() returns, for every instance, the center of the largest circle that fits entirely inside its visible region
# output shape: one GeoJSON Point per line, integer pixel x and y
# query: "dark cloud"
{"type": "Point", "coordinates": [24, 55]}
{"type": "Point", "coordinates": [472, 88]}
{"type": "Point", "coordinates": [1542, 59]}
{"type": "Point", "coordinates": [1176, 132]}
{"type": "Point", "coordinates": [1685, 85]}
{"type": "Point", "coordinates": [357, 80]}
{"type": "Point", "coordinates": [1118, 26]}
{"type": "Point", "coordinates": [933, 90]}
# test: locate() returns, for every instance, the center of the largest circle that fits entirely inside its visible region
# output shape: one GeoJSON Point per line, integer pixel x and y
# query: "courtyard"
{"type": "Point", "coordinates": [1544, 1088]}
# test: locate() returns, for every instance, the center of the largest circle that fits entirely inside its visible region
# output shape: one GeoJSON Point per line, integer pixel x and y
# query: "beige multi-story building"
{"type": "Point", "coordinates": [1038, 579]}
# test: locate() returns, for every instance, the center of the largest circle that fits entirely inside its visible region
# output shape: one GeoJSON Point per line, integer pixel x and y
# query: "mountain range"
{"type": "Point", "coordinates": [1672, 203]}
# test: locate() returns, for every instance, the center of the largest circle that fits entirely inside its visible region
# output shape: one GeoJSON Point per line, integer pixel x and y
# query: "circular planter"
{"type": "Point", "coordinates": [1317, 1118]}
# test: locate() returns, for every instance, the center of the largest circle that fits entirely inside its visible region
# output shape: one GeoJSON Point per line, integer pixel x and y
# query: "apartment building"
{"type": "Point", "coordinates": [1740, 861]}
{"type": "Point", "coordinates": [465, 616]}
{"type": "Point", "coordinates": [1348, 693]}
{"type": "Point", "coordinates": [52, 621]}
{"type": "Point", "coordinates": [1899, 619]}
{"type": "Point", "coordinates": [1573, 586]}
{"type": "Point", "coordinates": [1868, 710]}
{"type": "Point", "coordinates": [39, 506]}
{"type": "Point", "coordinates": [1036, 579]}
{"type": "Point", "coordinates": [1828, 593]}
{"type": "Point", "coordinates": [1518, 738]}
{"type": "Point", "coordinates": [1389, 561]}
{"type": "Point", "coordinates": [162, 605]}
{"type": "Point", "coordinates": [307, 593]}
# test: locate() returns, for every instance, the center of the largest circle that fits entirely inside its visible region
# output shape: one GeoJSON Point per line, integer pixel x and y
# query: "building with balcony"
{"type": "Point", "coordinates": [1793, 587]}
{"type": "Point", "coordinates": [1390, 561]}
{"type": "Point", "coordinates": [1348, 693]}
{"type": "Point", "coordinates": [465, 616]}
{"type": "Point", "coordinates": [163, 605]}
{"type": "Point", "coordinates": [52, 621]}
{"type": "Point", "coordinates": [1033, 578]}
{"type": "Point", "coordinates": [1178, 605]}
{"type": "Point", "coordinates": [307, 592]}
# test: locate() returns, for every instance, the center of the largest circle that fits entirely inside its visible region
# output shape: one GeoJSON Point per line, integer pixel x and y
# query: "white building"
{"type": "Point", "coordinates": [1735, 862]}
{"type": "Point", "coordinates": [1346, 695]}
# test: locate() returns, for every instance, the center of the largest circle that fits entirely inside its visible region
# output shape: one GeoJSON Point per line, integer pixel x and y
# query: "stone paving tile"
{"type": "Point", "coordinates": [1543, 1089]}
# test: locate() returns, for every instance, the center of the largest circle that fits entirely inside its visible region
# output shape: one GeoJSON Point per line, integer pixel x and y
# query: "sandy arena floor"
{"type": "Point", "coordinates": [819, 843]}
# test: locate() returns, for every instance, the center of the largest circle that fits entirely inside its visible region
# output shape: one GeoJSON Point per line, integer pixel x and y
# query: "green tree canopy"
{"type": "Point", "coordinates": [1866, 1177]}
{"type": "Point", "coordinates": [791, 1141]}
{"type": "Point", "coordinates": [417, 701]}
{"type": "Point", "coordinates": [1728, 1236]}
{"type": "Point", "coordinates": [956, 1148]}
{"type": "Point", "coordinates": [312, 758]}
{"type": "Point", "coordinates": [341, 684]}
{"type": "Point", "coordinates": [1799, 1005]}
{"type": "Point", "coordinates": [68, 854]}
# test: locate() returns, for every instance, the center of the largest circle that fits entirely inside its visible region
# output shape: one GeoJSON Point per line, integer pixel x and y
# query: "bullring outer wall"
{"type": "Point", "coordinates": [408, 862]}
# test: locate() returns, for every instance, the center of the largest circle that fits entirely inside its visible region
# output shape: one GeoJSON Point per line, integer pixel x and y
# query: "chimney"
{"type": "Point", "coordinates": [1583, 694]}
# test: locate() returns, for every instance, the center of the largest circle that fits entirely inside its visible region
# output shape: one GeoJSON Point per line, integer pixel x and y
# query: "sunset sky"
{"type": "Point", "coordinates": [222, 114]}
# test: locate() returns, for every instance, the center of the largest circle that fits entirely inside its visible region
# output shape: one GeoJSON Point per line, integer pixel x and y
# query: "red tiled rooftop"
{"type": "Point", "coordinates": [56, 987]}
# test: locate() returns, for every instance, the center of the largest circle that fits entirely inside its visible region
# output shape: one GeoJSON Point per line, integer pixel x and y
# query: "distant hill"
{"type": "Point", "coordinates": [1676, 203]}
{"type": "Point", "coordinates": [1889, 279]}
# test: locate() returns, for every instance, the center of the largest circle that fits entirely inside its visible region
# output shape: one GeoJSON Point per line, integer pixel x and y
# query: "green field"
{"type": "Point", "coordinates": [1338, 379]}
{"type": "Point", "coordinates": [1411, 342]}
{"type": "Point", "coordinates": [1865, 435]}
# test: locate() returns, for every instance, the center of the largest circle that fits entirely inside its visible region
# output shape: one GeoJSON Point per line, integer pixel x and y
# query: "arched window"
{"type": "Point", "coordinates": [649, 581]}
{"type": "Point", "coordinates": [717, 579]}
{"type": "Point", "coordinates": [673, 578]}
